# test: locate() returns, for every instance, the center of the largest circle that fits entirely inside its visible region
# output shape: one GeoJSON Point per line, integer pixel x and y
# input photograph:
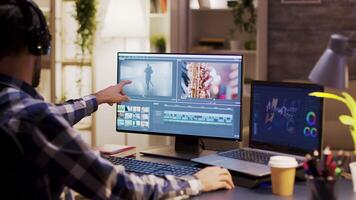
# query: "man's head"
{"type": "Point", "coordinates": [24, 31]}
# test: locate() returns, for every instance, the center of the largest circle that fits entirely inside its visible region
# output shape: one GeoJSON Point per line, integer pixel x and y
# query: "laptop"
{"type": "Point", "coordinates": [284, 120]}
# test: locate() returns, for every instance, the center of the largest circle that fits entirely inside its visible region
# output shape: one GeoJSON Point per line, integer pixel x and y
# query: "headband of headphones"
{"type": "Point", "coordinates": [37, 35]}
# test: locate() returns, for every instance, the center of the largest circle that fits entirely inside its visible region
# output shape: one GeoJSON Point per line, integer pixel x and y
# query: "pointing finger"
{"type": "Point", "coordinates": [123, 83]}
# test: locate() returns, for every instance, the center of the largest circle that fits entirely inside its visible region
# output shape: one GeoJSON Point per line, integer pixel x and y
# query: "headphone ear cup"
{"type": "Point", "coordinates": [33, 42]}
{"type": "Point", "coordinates": [38, 36]}
{"type": "Point", "coordinates": [45, 42]}
{"type": "Point", "coordinates": [39, 42]}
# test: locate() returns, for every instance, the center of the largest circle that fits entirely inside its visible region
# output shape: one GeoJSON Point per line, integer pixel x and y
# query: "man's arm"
{"type": "Point", "coordinates": [58, 150]}
{"type": "Point", "coordinates": [75, 110]}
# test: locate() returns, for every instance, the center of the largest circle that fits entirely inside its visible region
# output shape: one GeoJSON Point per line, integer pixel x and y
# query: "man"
{"type": "Point", "coordinates": [41, 151]}
{"type": "Point", "coordinates": [148, 77]}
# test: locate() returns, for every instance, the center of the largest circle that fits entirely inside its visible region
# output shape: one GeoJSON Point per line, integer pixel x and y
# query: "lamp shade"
{"type": "Point", "coordinates": [331, 70]}
{"type": "Point", "coordinates": [125, 19]}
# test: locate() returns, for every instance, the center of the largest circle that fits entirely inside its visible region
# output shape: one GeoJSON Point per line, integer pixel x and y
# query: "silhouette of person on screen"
{"type": "Point", "coordinates": [148, 76]}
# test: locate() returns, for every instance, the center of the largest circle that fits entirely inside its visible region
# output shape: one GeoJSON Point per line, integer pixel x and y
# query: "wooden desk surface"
{"type": "Point", "coordinates": [301, 191]}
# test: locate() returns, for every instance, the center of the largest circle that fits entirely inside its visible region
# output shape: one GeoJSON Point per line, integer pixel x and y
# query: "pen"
{"type": "Point", "coordinates": [332, 168]}
{"type": "Point", "coordinates": [327, 169]}
{"type": "Point", "coordinates": [316, 153]}
{"type": "Point", "coordinates": [328, 155]}
{"type": "Point", "coordinates": [347, 160]}
{"type": "Point", "coordinates": [318, 165]}
{"type": "Point", "coordinates": [341, 159]}
{"type": "Point", "coordinates": [311, 165]}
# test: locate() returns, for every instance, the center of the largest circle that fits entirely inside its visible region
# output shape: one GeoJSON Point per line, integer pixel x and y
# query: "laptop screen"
{"type": "Point", "coordinates": [284, 118]}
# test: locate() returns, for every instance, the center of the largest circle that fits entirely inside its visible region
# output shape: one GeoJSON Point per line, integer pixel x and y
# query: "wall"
{"type": "Point", "coordinates": [105, 53]}
{"type": "Point", "coordinates": [106, 74]}
{"type": "Point", "coordinates": [298, 34]}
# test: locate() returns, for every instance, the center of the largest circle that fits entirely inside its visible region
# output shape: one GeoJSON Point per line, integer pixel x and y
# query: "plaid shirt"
{"type": "Point", "coordinates": [58, 157]}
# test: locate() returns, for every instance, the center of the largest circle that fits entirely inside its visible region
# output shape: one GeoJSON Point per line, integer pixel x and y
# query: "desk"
{"type": "Point", "coordinates": [301, 191]}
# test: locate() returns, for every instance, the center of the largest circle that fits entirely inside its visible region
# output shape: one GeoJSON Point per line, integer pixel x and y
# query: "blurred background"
{"type": "Point", "coordinates": [279, 39]}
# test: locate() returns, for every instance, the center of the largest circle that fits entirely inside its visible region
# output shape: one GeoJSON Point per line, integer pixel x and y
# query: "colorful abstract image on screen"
{"type": "Point", "coordinates": [209, 80]}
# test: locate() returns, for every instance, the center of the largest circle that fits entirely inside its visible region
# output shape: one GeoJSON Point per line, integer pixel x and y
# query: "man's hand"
{"type": "Point", "coordinates": [113, 94]}
{"type": "Point", "coordinates": [214, 178]}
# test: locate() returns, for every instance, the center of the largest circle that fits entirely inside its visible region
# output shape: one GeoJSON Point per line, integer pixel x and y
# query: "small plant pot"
{"type": "Point", "coordinates": [250, 45]}
{"type": "Point", "coordinates": [235, 45]}
{"type": "Point", "coordinates": [204, 4]}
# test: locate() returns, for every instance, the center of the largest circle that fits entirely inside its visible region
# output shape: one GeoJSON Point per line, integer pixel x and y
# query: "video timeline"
{"type": "Point", "coordinates": [197, 118]}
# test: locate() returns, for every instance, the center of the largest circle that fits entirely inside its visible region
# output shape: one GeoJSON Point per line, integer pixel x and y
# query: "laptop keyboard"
{"type": "Point", "coordinates": [251, 156]}
{"type": "Point", "coordinates": [158, 169]}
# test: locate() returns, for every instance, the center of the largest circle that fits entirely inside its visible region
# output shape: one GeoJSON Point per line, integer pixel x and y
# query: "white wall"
{"type": "Point", "coordinates": [105, 59]}
{"type": "Point", "coordinates": [105, 75]}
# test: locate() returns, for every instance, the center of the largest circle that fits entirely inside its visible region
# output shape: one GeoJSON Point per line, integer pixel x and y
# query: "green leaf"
{"type": "Point", "coordinates": [351, 102]}
{"type": "Point", "coordinates": [347, 120]}
{"type": "Point", "coordinates": [86, 18]}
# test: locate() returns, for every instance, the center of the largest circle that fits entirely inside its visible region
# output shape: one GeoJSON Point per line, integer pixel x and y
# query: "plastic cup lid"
{"type": "Point", "coordinates": [282, 162]}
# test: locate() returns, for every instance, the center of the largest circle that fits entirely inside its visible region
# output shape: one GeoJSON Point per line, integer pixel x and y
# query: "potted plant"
{"type": "Point", "coordinates": [244, 18]}
{"type": "Point", "coordinates": [349, 101]}
{"type": "Point", "coordinates": [86, 18]}
{"type": "Point", "coordinates": [159, 43]}
{"type": "Point", "coordinates": [235, 44]}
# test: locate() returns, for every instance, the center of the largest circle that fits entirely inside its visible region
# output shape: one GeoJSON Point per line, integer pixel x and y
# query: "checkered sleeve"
{"type": "Point", "coordinates": [58, 150]}
{"type": "Point", "coordinates": [75, 110]}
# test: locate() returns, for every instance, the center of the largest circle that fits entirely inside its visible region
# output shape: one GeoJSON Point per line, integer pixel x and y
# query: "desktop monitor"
{"type": "Point", "coordinates": [182, 95]}
{"type": "Point", "coordinates": [285, 118]}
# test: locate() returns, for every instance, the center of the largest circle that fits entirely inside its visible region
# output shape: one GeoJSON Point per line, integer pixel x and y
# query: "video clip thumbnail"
{"type": "Point", "coordinates": [205, 80]}
{"type": "Point", "coordinates": [147, 78]}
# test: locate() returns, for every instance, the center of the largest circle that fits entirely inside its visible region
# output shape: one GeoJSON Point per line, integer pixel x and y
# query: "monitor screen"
{"type": "Point", "coordinates": [285, 117]}
{"type": "Point", "coordinates": [181, 94]}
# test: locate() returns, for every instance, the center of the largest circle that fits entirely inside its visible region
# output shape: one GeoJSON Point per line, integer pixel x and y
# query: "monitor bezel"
{"type": "Point", "coordinates": [282, 148]}
{"type": "Point", "coordinates": [174, 134]}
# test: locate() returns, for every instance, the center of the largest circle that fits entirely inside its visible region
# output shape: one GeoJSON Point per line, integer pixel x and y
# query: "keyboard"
{"type": "Point", "coordinates": [158, 169]}
{"type": "Point", "coordinates": [246, 155]}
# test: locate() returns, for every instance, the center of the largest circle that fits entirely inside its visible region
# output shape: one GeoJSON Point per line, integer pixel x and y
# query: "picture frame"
{"type": "Point", "coordinates": [301, 1]}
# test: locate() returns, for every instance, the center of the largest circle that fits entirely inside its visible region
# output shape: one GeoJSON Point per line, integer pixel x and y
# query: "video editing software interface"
{"type": "Point", "coordinates": [285, 115]}
{"type": "Point", "coordinates": [181, 94]}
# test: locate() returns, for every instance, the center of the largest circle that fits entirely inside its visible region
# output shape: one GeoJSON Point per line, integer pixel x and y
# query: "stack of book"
{"type": "Point", "coordinates": [117, 150]}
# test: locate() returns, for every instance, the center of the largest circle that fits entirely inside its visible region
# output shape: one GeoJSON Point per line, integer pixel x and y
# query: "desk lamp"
{"type": "Point", "coordinates": [331, 71]}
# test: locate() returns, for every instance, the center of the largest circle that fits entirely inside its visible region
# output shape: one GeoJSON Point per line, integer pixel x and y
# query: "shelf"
{"type": "Point", "coordinates": [158, 15]}
{"type": "Point", "coordinates": [211, 9]}
{"type": "Point", "coordinates": [224, 51]}
{"type": "Point", "coordinates": [228, 51]}
{"type": "Point", "coordinates": [76, 62]}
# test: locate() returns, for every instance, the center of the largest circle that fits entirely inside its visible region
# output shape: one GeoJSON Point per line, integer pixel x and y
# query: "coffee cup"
{"type": "Point", "coordinates": [353, 174]}
{"type": "Point", "coordinates": [283, 170]}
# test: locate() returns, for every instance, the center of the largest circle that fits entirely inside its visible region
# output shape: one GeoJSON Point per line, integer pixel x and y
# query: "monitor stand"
{"type": "Point", "coordinates": [185, 148]}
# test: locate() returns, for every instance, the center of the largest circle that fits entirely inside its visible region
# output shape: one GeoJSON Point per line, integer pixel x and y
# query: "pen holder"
{"type": "Point", "coordinates": [322, 189]}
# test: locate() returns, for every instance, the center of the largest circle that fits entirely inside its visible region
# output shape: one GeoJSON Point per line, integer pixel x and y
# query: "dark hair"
{"type": "Point", "coordinates": [13, 29]}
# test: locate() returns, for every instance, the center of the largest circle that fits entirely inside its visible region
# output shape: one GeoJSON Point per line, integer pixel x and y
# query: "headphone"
{"type": "Point", "coordinates": [38, 37]}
